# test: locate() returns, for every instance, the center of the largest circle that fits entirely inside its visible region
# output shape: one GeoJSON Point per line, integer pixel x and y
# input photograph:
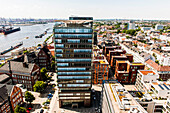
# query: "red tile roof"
{"type": "Point", "coordinates": [157, 67]}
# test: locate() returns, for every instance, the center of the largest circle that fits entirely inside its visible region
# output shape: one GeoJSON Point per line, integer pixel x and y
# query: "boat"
{"type": "Point", "coordinates": [26, 37]}
{"type": "Point", "coordinates": [11, 48]}
{"type": "Point", "coordinates": [11, 30]}
{"type": "Point", "coordinates": [37, 37]}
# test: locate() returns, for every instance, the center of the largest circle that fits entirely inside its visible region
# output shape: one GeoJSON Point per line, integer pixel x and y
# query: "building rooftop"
{"type": "Point", "coordinates": [18, 67]}
{"type": "Point", "coordinates": [4, 77]}
{"type": "Point", "coordinates": [137, 63]}
{"type": "Point", "coordinates": [161, 85]}
{"type": "Point", "coordinates": [146, 72]}
{"type": "Point", "coordinates": [3, 93]}
{"type": "Point", "coordinates": [122, 101]}
{"type": "Point", "coordinates": [156, 66]}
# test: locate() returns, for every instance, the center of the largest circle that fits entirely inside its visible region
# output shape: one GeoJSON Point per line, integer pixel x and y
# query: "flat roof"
{"type": "Point", "coordinates": [137, 63]}
{"type": "Point", "coordinates": [74, 21]}
{"type": "Point", "coordinates": [145, 72]}
{"type": "Point", "coordinates": [122, 101]}
{"type": "Point", "coordinates": [161, 85]}
{"type": "Point", "coordinates": [4, 77]}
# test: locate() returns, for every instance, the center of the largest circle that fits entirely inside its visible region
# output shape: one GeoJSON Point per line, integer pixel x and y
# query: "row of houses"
{"type": "Point", "coordinates": [10, 97]}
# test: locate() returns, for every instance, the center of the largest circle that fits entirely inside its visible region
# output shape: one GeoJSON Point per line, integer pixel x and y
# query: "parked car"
{"type": "Point", "coordinates": [41, 111]}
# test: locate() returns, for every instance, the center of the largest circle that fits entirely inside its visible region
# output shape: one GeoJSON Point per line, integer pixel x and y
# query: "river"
{"type": "Point", "coordinates": [26, 31]}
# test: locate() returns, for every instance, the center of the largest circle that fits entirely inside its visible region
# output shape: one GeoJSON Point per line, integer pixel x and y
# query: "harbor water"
{"type": "Point", "coordinates": [6, 41]}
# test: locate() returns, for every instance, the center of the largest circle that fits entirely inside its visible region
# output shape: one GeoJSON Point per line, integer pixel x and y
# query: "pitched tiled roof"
{"type": "Point", "coordinates": [3, 93]}
{"type": "Point", "coordinates": [152, 64]}
{"type": "Point", "coordinates": [157, 67]}
{"type": "Point", "coordinates": [9, 89]}
{"type": "Point", "coordinates": [4, 77]}
{"type": "Point", "coordinates": [18, 67]}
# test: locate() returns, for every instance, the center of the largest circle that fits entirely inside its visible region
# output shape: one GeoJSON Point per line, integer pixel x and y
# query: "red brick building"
{"type": "Point", "coordinates": [115, 52]}
{"type": "Point", "coordinates": [22, 73]}
{"type": "Point", "coordinates": [163, 71]}
{"type": "Point", "coordinates": [108, 48]}
{"type": "Point", "coordinates": [15, 96]}
{"type": "Point", "coordinates": [126, 72]}
{"type": "Point", "coordinates": [100, 66]}
{"type": "Point", "coordinates": [4, 102]}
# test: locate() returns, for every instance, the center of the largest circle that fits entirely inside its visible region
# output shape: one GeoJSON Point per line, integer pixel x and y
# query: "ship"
{"type": "Point", "coordinates": [10, 30]}
{"type": "Point", "coordinates": [11, 48]}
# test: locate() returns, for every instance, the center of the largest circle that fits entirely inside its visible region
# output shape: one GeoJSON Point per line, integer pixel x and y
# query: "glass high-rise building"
{"type": "Point", "coordinates": [73, 41]}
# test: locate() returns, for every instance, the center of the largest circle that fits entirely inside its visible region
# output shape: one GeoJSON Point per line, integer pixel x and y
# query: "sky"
{"type": "Point", "coordinates": [99, 9]}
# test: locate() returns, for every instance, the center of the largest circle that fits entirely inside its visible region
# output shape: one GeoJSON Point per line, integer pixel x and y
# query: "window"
{"type": "Point", "coordinates": [74, 73]}
{"type": "Point", "coordinates": [73, 30]}
{"type": "Point", "coordinates": [59, 45]}
{"type": "Point", "coordinates": [82, 50]}
{"type": "Point", "coordinates": [71, 69]}
{"type": "Point", "coordinates": [73, 40]}
{"type": "Point", "coordinates": [73, 60]}
{"type": "Point", "coordinates": [73, 35]}
{"type": "Point", "coordinates": [79, 81]}
{"type": "Point", "coordinates": [74, 77]}
{"type": "Point", "coordinates": [62, 64]}
{"type": "Point", "coordinates": [59, 55]}
{"type": "Point", "coordinates": [133, 69]}
{"type": "Point", "coordinates": [78, 85]}
{"type": "Point", "coordinates": [58, 40]}
{"type": "Point", "coordinates": [59, 51]}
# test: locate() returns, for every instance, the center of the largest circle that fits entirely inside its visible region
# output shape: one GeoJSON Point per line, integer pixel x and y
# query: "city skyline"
{"type": "Point", "coordinates": [110, 9]}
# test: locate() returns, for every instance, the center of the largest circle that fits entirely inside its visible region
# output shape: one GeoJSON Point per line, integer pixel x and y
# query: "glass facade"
{"type": "Point", "coordinates": [73, 40]}
{"type": "Point", "coordinates": [74, 77]}
{"type": "Point", "coordinates": [74, 30]}
{"type": "Point", "coordinates": [73, 60]}
{"type": "Point", "coordinates": [73, 35]}
{"type": "Point", "coordinates": [82, 50]}
{"type": "Point", "coordinates": [71, 69]}
{"type": "Point", "coordinates": [74, 73]}
{"type": "Point", "coordinates": [73, 49]}
{"type": "Point", "coordinates": [62, 64]}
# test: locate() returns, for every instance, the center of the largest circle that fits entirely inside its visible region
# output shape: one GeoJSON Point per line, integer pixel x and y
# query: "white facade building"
{"type": "Point", "coordinates": [159, 27]}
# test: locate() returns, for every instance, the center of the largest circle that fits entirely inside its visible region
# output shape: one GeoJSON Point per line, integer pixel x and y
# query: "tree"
{"type": "Point", "coordinates": [135, 45]}
{"type": "Point", "coordinates": [44, 75]}
{"type": "Point", "coordinates": [157, 61]}
{"type": "Point", "coordinates": [131, 32]}
{"type": "Point", "coordinates": [25, 51]}
{"type": "Point", "coordinates": [29, 97]}
{"type": "Point", "coordinates": [124, 31]}
{"type": "Point", "coordinates": [118, 31]}
{"type": "Point", "coordinates": [39, 44]}
{"type": "Point", "coordinates": [19, 109]}
{"type": "Point", "coordinates": [39, 86]}
{"type": "Point", "coordinates": [53, 64]}
{"type": "Point", "coordinates": [2, 65]}
{"type": "Point", "coordinates": [127, 37]}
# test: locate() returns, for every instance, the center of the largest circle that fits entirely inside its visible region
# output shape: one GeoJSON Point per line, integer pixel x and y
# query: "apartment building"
{"type": "Point", "coordinates": [116, 99]}
{"type": "Point", "coordinates": [4, 102]}
{"type": "Point", "coordinates": [22, 73]}
{"type": "Point", "coordinates": [166, 107]}
{"type": "Point", "coordinates": [73, 41]}
{"type": "Point", "coordinates": [126, 72]}
{"type": "Point", "coordinates": [41, 57]}
{"type": "Point", "coordinates": [106, 49]}
{"type": "Point", "coordinates": [15, 96]}
{"type": "Point", "coordinates": [144, 77]}
{"type": "Point", "coordinates": [115, 52]}
{"type": "Point", "coordinates": [100, 66]}
{"type": "Point", "coordinates": [155, 92]}
{"type": "Point", "coordinates": [163, 71]}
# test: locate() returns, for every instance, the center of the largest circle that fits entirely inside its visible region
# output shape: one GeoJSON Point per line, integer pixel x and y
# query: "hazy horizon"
{"type": "Point", "coordinates": [108, 9]}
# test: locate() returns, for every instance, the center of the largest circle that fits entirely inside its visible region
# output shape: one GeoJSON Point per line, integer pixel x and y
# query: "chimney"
{"type": "Point", "coordinates": [9, 66]}
{"type": "Point", "coordinates": [25, 65]}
